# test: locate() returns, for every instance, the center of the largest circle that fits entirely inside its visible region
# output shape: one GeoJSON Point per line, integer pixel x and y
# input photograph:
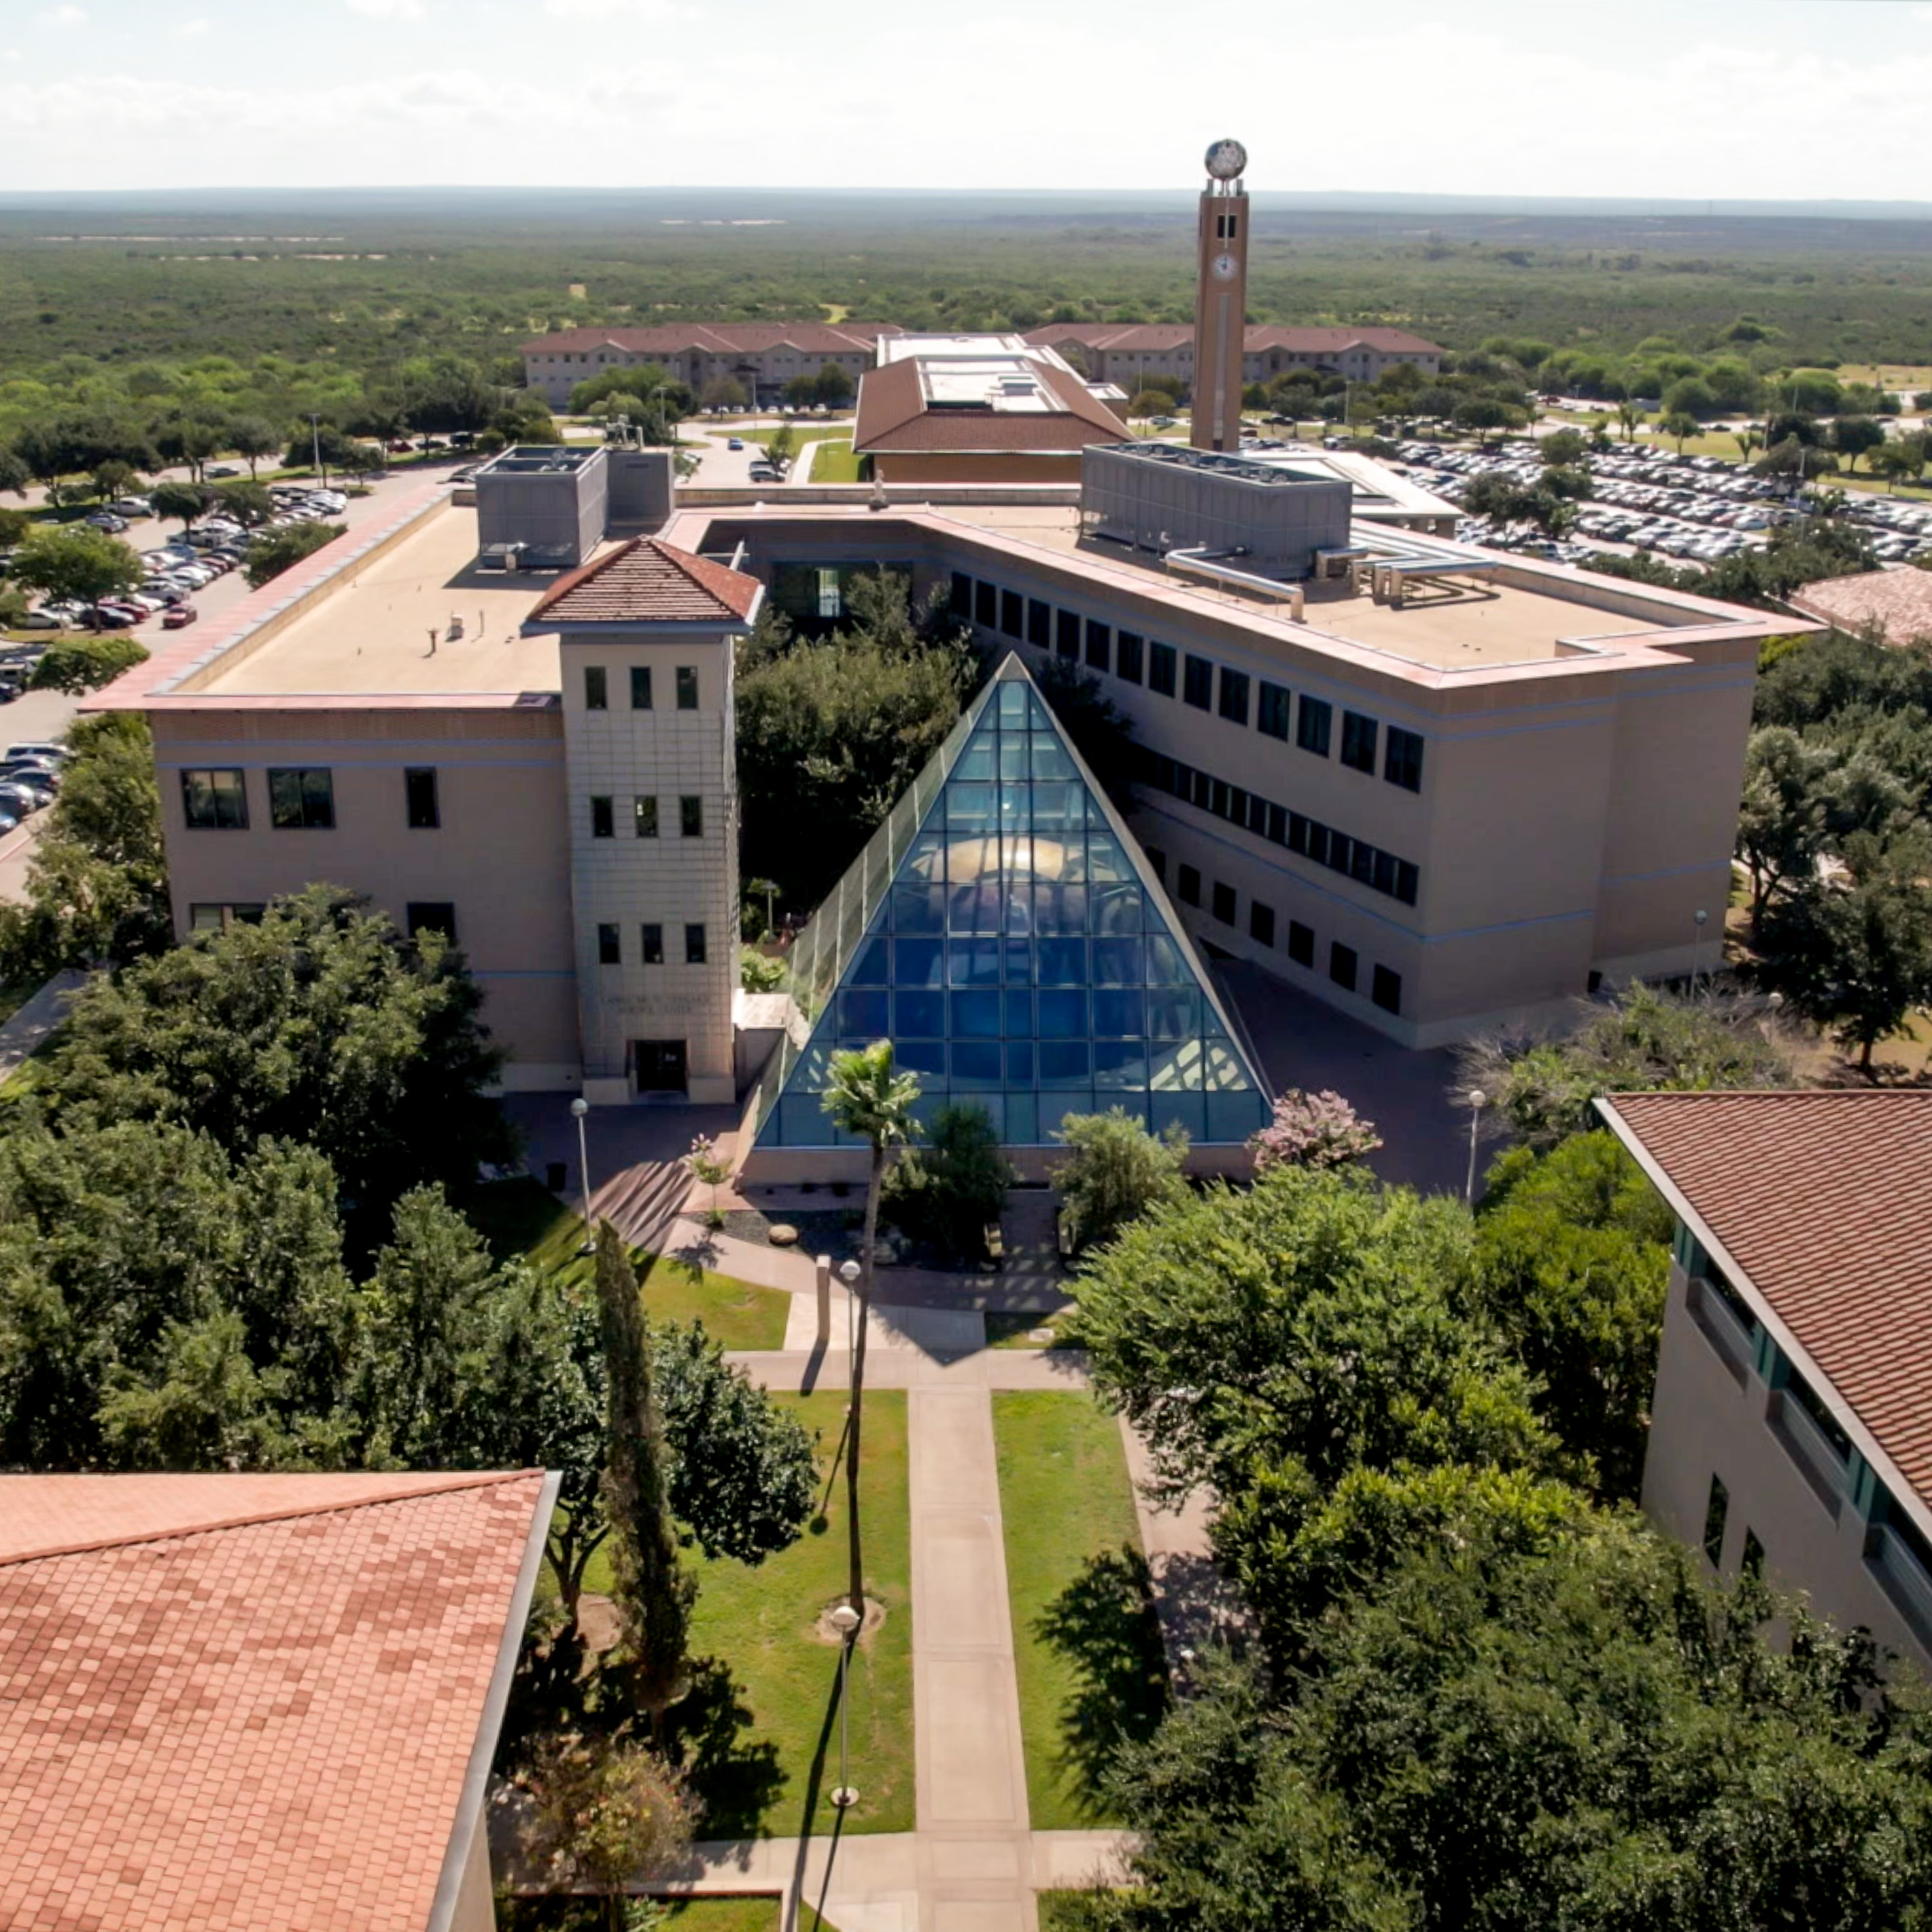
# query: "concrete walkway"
{"type": "Point", "coordinates": [34, 1022]}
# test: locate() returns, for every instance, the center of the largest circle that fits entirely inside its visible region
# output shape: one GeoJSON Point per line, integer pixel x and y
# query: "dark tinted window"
{"type": "Point", "coordinates": [1189, 887]}
{"type": "Point", "coordinates": [690, 815]}
{"type": "Point", "coordinates": [653, 936]}
{"type": "Point", "coordinates": [608, 952]}
{"type": "Point", "coordinates": [1039, 622]}
{"type": "Point", "coordinates": [1342, 965]}
{"type": "Point", "coordinates": [1402, 762]}
{"type": "Point", "coordinates": [640, 687]}
{"type": "Point", "coordinates": [687, 687]}
{"type": "Point", "coordinates": [985, 603]}
{"type": "Point", "coordinates": [214, 800]}
{"type": "Point", "coordinates": [1127, 656]}
{"type": "Point", "coordinates": [419, 796]}
{"type": "Point", "coordinates": [694, 945]}
{"type": "Point", "coordinates": [644, 816]}
{"type": "Point", "coordinates": [1261, 923]}
{"type": "Point", "coordinates": [1199, 688]}
{"type": "Point", "coordinates": [1234, 695]}
{"type": "Point", "coordinates": [423, 915]}
{"type": "Point", "coordinates": [1012, 611]}
{"type": "Point", "coordinates": [596, 688]}
{"type": "Point", "coordinates": [302, 800]}
{"type": "Point", "coordinates": [601, 826]}
{"type": "Point", "coordinates": [1273, 716]}
{"type": "Point", "coordinates": [1224, 903]}
{"type": "Point", "coordinates": [1160, 670]}
{"type": "Point", "coordinates": [1311, 731]}
{"type": "Point", "coordinates": [1385, 989]}
{"type": "Point", "coordinates": [962, 596]}
{"type": "Point", "coordinates": [1066, 633]}
{"type": "Point", "coordinates": [1300, 943]}
{"type": "Point", "coordinates": [1099, 645]}
{"type": "Point", "coordinates": [1358, 742]}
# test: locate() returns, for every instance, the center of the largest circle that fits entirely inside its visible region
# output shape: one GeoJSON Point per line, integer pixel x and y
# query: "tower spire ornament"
{"type": "Point", "coordinates": [1221, 300]}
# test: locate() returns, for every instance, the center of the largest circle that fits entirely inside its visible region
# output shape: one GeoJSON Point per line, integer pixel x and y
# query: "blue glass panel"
{"type": "Point", "coordinates": [1058, 809]}
{"type": "Point", "coordinates": [976, 1062]}
{"type": "Point", "coordinates": [1181, 1110]}
{"type": "Point", "coordinates": [1116, 908]}
{"type": "Point", "coordinates": [974, 962]}
{"type": "Point", "coordinates": [969, 808]}
{"type": "Point", "coordinates": [1166, 964]}
{"type": "Point", "coordinates": [1222, 1065]}
{"type": "Point", "coordinates": [1174, 1013]}
{"type": "Point", "coordinates": [1120, 1063]}
{"type": "Point", "coordinates": [1013, 761]}
{"type": "Point", "coordinates": [1019, 1015]}
{"type": "Point", "coordinates": [977, 760]}
{"type": "Point", "coordinates": [1060, 910]}
{"type": "Point", "coordinates": [1118, 962]}
{"type": "Point", "coordinates": [969, 859]}
{"type": "Point", "coordinates": [873, 966]}
{"type": "Point", "coordinates": [1064, 1063]}
{"type": "Point", "coordinates": [1233, 1117]}
{"type": "Point", "coordinates": [1173, 1066]}
{"type": "Point", "coordinates": [1018, 955]}
{"type": "Point", "coordinates": [1015, 808]}
{"type": "Point", "coordinates": [1106, 861]}
{"type": "Point", "coordinates": [1118, 1014]}
{"type": "Point", "coordinates": [920, 1056]}
{"type": "Point", "coordinates": [1063, 962]}
{"type": "Point", "coordinates": [916, 962]}
{"type": "Point", "coordinates": [866, 1014]}
{"type": "Point", "coordinates": [1019, 909]}
{"type": "Point", "coordinates": [975, 1015]}
{"type": "Point", "coordinates": [1051, 761]}
{"type": "Point", "coordinates": [802, 1121]}
{"type": "Point", "coordinates": [1063, 1015]}
{"type": "Point", "coordinates": [1019, 1063]}
{"type": "Point", "coordinates": [1022, 1119]}
{"type": "Point", "coordinates": [917, 908]}
{"type": "Point", "coordinates": [977, 908]}
{"type": "Point", "coordinates": [1012, 710]}
{"type": "Point", "coordinates": [921, 1015]}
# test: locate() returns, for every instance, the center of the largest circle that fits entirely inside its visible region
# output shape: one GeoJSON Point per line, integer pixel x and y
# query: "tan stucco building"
{"type": "Point", "coordinates": [763, 356]}
{"type": "Point", "coordinates": [1129, 353]}
{"type": "Point", "coordinates": [1790, 1429]}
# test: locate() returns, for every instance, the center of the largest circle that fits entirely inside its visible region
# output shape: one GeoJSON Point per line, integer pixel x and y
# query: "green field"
{"type": "Point", "coordinates": [1015, 1329]}
{"type": "Point", "coordinates": [1086, 1645]}
{"type": "Point", "coordinates": [835, 463]}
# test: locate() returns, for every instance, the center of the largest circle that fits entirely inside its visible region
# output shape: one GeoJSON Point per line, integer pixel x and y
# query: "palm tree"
{"type": "Point", "coordinates": [1748, 443]}
{"type": "Point", "coordinates": [1630, 417]}
{"type": "Point", "coordinates": [867, 1099]}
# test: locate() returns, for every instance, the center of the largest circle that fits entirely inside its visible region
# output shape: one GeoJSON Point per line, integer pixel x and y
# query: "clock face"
{"type": "Point", "coordinates": [1226, 159]}
{"type": "Point", "coordinates": [1225, 267]}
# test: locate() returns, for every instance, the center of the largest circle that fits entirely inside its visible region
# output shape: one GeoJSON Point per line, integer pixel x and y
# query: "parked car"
{"type": "Point", "coordinates": [20, 800]}
{"type": "Point", "coordinates": [221, 470]}
{"type": "Point", "coordinates": [178, 617]}
{"type": "Point", "coordinates": [736, 443]}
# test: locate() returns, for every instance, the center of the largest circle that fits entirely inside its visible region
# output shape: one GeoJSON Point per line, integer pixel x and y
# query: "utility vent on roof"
{"type": "Point", "coordinates": [537, 700]}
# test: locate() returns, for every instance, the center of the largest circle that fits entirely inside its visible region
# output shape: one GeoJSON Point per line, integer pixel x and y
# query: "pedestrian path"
{"type": "Point", "coordinates": [33, 1023]}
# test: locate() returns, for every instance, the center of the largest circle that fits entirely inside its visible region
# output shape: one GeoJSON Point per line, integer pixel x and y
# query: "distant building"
{"type": "Point", "coordinates": [1894, 604]}
{"type": "Point", "coordinates": [976, 409]}
{"type": "Point", "coordinates": [1791, 1424]}
{"type": "Point", "coordinates": [763, 356]}
{"type": "Point", "coordinates": [1129, 353]}
{"type": "Point", "coordinates": [240, 1702]}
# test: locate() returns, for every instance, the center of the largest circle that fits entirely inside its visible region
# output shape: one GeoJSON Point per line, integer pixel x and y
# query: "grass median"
{"type": "Point", "coordinates": [1086, 1645]}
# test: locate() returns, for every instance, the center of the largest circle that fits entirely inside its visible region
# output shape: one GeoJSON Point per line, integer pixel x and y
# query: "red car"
{"type": "Point", "coordinates": [178, 617]}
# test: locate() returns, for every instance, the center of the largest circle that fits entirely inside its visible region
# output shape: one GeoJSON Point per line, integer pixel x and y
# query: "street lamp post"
{"type": "Point", "coordinates": [580, 1107]}
{"type": "Point", "coordinates": [849, 1273]}
{"type": "Point", "coordinates": [845, 1622]}
{"type": "Point", "coordinates": [315, 446]}
{"type": "Point", "coordinates": [1478, 1099]}
{"type": "Point", "coordinates": [1697, 918]}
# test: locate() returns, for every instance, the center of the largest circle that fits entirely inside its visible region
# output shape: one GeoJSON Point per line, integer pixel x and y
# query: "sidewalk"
{"type": "Point", "coordinates": [34, 1021]}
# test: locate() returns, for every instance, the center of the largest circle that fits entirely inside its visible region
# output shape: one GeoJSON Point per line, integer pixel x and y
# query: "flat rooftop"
{"type": "Point", "coordinates": [369, 630]}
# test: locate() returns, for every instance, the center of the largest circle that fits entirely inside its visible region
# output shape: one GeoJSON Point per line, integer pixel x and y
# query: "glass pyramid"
{"type": "Point", "coordinates": [1004, 931]}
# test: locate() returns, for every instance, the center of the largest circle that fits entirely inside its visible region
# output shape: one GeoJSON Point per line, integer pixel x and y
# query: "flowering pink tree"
{"type": "Point", "coordinates": [1312, 1130]}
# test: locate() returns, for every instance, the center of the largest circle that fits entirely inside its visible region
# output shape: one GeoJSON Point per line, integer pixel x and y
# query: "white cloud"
{"type": "Point", "coordinates": [660, 10]}
{"type": "Point", "coordinates": [63, 16]}
{"type": "Point", "coordinates": [388, 9]}
{"type": "Point", "coordinates": [190, 29]}
{"type": "Point", "coordinates": [11, 54]}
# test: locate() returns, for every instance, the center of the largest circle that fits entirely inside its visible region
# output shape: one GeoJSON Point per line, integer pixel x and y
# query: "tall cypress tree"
{"type": "Point", "coordinates": [653, 1597]}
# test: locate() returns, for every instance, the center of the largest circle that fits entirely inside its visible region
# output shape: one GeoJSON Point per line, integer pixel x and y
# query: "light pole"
{"type": "Point", "coordinates": [315, 446]}
{"type": "Point", "coordinates": [845, 1622]}
{"type": "Point", "coordinates": [1697, 919]}
{"type": "Point", "coordinates": [848, 1272]}
{"type": "Point", "coordinates": [1478, 1100]}
{"type": "Point", "coordinates": [580, 1107]}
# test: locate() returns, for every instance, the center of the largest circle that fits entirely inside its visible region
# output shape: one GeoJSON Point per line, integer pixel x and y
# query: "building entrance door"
{"type": "Point", "coordinates": [657, 1066]}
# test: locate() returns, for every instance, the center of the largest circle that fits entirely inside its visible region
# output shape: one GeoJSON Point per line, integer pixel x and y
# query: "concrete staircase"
{"type": "Point", "coordinates": [642, 1201]}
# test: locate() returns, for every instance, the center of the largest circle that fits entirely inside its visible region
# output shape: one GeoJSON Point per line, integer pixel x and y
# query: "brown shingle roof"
{"type": "Point", "coordinates": [718, 338]}
{"type": "Point", "coordinates": [892, 416]}
{"type": "Point", "coordinates": [1898, 601]}
{"type": "Point", "coordinates": [1824, 1199]}
{"type": "Point", "coordinates": [647, 581]}
{"type": "Point", "coordinates": [266, 1724]}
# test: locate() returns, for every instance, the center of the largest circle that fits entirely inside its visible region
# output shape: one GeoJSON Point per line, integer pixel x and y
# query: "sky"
{"type": "Point", "coordinates": [1695, 99]}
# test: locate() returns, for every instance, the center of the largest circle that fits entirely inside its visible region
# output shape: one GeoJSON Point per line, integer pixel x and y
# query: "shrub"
{"type": "Point", "coordinates": [950, 1191]}
{"type": "Point", "coordinates": [77, 664]}
{"type": "Point", "coordinates": [1116, 1171]}
{"type": "Point", "coordinates": [1313, 1130]}
{"type": "Point", "coordinates": [278, 551]}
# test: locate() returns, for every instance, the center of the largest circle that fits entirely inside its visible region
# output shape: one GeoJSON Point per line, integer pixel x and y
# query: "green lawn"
{"type": "Point", "coordinates": [1085, 1642]}
{"type": "Point", "coordinates": [834, 462]}
{"type": "Point", "coordinates": [521, 1218]}
{"type": "Point", "coordinates": [748, 1913]}
{"type": "Point", "coordinates": [764, 1751]}
{"type": "Point", "coordinates": [1014, 1329]}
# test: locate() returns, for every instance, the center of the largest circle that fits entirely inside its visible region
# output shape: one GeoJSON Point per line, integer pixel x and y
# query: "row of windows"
{"type": "Point", "coordinates": [1223, 903]}
{"type": "Point", "coordinates": [215, 798]}
{"type": "Point", "coordinates": [1218, 689]}
{"type": "Point", "coordinates": [597, 688]}
{"type": "Point", "coordinates": [418, 916]}
{"type": "Point", "coordinates": [644, 816]}
{"type": "Point", "coordinates": [650, 945]}
{"type": "Point", "coordinates": [1307, 838]}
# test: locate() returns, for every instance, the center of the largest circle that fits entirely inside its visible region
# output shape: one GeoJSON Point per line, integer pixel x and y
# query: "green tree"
{"type": "Point", "coordinates": [1115, 1170]}
{"type": "Point", "coordinates": [950, 1190]}
{"type": "Point", "coordinates": [321, 1025]}
{"type": "Point", "coordinates": [189, 502]}
{"type": "Point", "coordinates": [722, 393]}
{"type": "Point", "coordinates": [653, 1595]}
{"type": "Point", "coordinates": [248, 503]}
{"type": "Point", "coordinates": [75, 565]}
{"type": "Point", "coordinates": [1781, 823]}
{"type": "Point", "coordinates": [14, 474]}
{"type": "Point", "coordinates": [782, 445]}
{"type": "Point", "coordinates": [1852, 436]}
{"type": "Point", "coordinates": [868, 1098]}
{"type": "Point", "coordinates": [114, 478]}
{"type": "Point", "coordinates": [275, 551]}
{"type": "Point", "coordinates": [800, 391]}
{"type": "Point", "coordinates": [1630, 419]}
{"type": "Point", "coordinates": [77, 665]}
{"type": "Point", "coordinates": [251, 438]}
{"type": "Point", "coordinates": [1679, 425]}
{"type": "Point", "coordinates": [1564, 448]}
{"type": "Point", "coordinates": [833, 386]}
{"type": "Point", "coordinates": [1748, 441]}
{"type": "Point", "coordinates": [1573, 1256]}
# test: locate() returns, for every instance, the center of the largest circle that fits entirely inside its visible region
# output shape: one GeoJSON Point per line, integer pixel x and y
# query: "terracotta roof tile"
{"type": "Point", "coordinates": [1824, 1198]}
{"type": "Point", "coordinates": [1898, 601]}
{"type": "Point", "coordinates": [1152, 337]}
{"type": "Point", "coordinates": [646, 580]}
{"type": "Point", "coordinates": [265, 1724]}
{"type": "Point", "coordinates": [718, 338]}
{"type": "Point", "coordinates": [892, 416]}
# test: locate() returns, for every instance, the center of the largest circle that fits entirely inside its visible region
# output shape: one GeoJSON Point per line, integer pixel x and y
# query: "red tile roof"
{"type": "Point", "coordinates": [1823, 1199]}
{"type": "Point", "coordinates": [1152, 337]}
{"type": "Point", "coordinates": [719, 338]}
{"type": "Point", "coordinates": [246, 1702]}
{"type": "Point", "coordinates": [647, 581]}
{"type": "Point", "coordinates": [1898, 602]}
{"type": "Point", "coordinates": [893, 415]}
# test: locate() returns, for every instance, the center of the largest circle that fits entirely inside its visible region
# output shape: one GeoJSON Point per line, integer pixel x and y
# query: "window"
{"type": "Point", "coordinates": [691, 816]}
{"type": "Point", "coordinates": [1311, 731]}
{"type": "Point", "coordinates": [419, 798]}
{"type": "Point", "coordinates": [1224, 903]}
{"type": "Point", "coordinates": [1199, 687]}
{"type": "Point", "coordinates": [214, 800]}
{"type": "Point", "coordinates": [644, 816]}
{"type": "Point", "coordinates": [831, 600]}
{"type": "Point", "coordinates": [1156, 862]}
{"type": "Point", "coordinates": [602, 824]}
{"type": "Point", "coordinates": [1385, 989]}
{"type": "Point", "coordinates": [653, 936]}
{"type": "Point", "coordinates": [1234, 695]}
{"type": "Point", "coordinates": [687, 687]}
{"type": "Point", "coordinates": [222, 918]}
{"type": "Point", "coordinates": [961, 605]}
{"type": "Point", "coordinates": [1716, 1509]}
{"type": "Point", "coordinates": [1358, 742]}
{"type": "Point", "coordinates": [694, 945]}
{"type": "Point", "coordinates": [1190, 886]}
{"type": "Point", "coordinates": [421, 915]}
{"type": "Point", "coordinates": [1261, 923]}
{"type": "Point", "coordinates": [1752, 1562]}
{"type": "Point", "coordinates": [1127, 656]}
{"type": "Point", "coordinates": [640, 687]}
{"type": "Point", "coordinates": [1406, 880]}
{"type": "Point", "coordinates": [1341, 966]}
{"type": "Point", "coordinates": [985, 603]}
{"type": "Point", "coordinates": [1040, 623]}
{"type": "Point", "coordinates": [1160, 670]}
{"type": "Point", "coordinates": [1066, 635]}
{"type": "Point", "coordinates": [302, 801]}
{"type": "Point", "coordinates": [1402, 762]}
{"type": "Point", "coordinates": [1272, 719]}
{"type": "Point", "coordinates": [1300, 943]}
{"type": "Point", "coordinates": [1011, 610]}
{"type": "Point", "coordinates": [608, 952]}
{"type": "Point", "coordinates": [596, 688]}
{"type": "Point", "coordinates": [1099, 645]}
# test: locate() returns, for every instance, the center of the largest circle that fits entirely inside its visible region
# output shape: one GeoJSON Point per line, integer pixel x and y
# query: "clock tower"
{"type": "Point", "coordinates": [1221, 300]}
